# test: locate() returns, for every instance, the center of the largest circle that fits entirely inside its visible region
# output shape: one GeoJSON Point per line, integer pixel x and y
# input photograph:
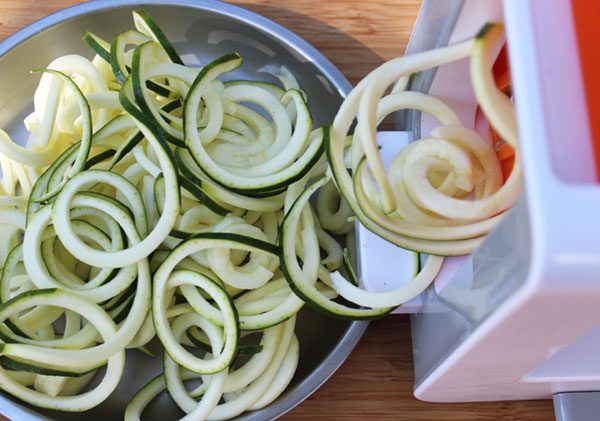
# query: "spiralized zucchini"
{"type": "Point", "coordinates": [441, 194]}
{"type": "Point", "coordinates": [154, 202]}
{"type": "Point", "coordinates": [130, 181]}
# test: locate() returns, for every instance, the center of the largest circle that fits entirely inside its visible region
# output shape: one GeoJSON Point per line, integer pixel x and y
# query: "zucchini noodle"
{"type": "Point", "coordinates": [441, 194]}
{"type": "Point", "coordinates": [157, 201]}
{"type": "Point", "coordinates": [128, 236]}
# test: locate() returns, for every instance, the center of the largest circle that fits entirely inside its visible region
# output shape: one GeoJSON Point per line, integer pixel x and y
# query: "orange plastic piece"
{"type": "Point", "coordinates": [505, 152]}
{"type": "Point", "coordinates": [586, 14]}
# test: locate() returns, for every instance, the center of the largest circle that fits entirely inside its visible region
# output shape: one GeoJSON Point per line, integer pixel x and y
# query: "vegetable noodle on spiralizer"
{"type": "Point", "coordinates": [182, 213]}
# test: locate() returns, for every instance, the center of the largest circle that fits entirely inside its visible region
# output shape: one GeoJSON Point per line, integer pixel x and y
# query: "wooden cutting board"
{"type": "Point", "coordinates": [377, 379]}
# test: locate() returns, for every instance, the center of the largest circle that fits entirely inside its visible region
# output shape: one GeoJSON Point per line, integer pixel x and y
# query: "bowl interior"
{"type": "Point", "coordinates": [200, 31]}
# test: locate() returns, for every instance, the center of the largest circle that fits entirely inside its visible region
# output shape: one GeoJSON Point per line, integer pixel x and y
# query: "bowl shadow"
{"type": "Point", "coordinates": [353, 58]}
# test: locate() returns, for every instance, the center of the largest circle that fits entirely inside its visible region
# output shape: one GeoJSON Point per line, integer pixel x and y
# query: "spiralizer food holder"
{"type": "Point", "coordinates": [520, 318]}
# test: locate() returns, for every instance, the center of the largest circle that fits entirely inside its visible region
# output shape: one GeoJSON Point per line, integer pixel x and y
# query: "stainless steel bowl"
{"type": "Point", "coordinates": [200, 30]}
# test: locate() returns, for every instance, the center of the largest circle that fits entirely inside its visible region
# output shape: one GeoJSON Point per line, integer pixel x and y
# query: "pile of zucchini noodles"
{"type": "Point", "coordinates": [153, 201]}
{"type": "Point", "coordinates": [442, 194]}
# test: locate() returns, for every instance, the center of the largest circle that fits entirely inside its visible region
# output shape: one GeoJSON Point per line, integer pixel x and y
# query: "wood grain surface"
{"type": "Point", "coordinates": [377, 379]}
